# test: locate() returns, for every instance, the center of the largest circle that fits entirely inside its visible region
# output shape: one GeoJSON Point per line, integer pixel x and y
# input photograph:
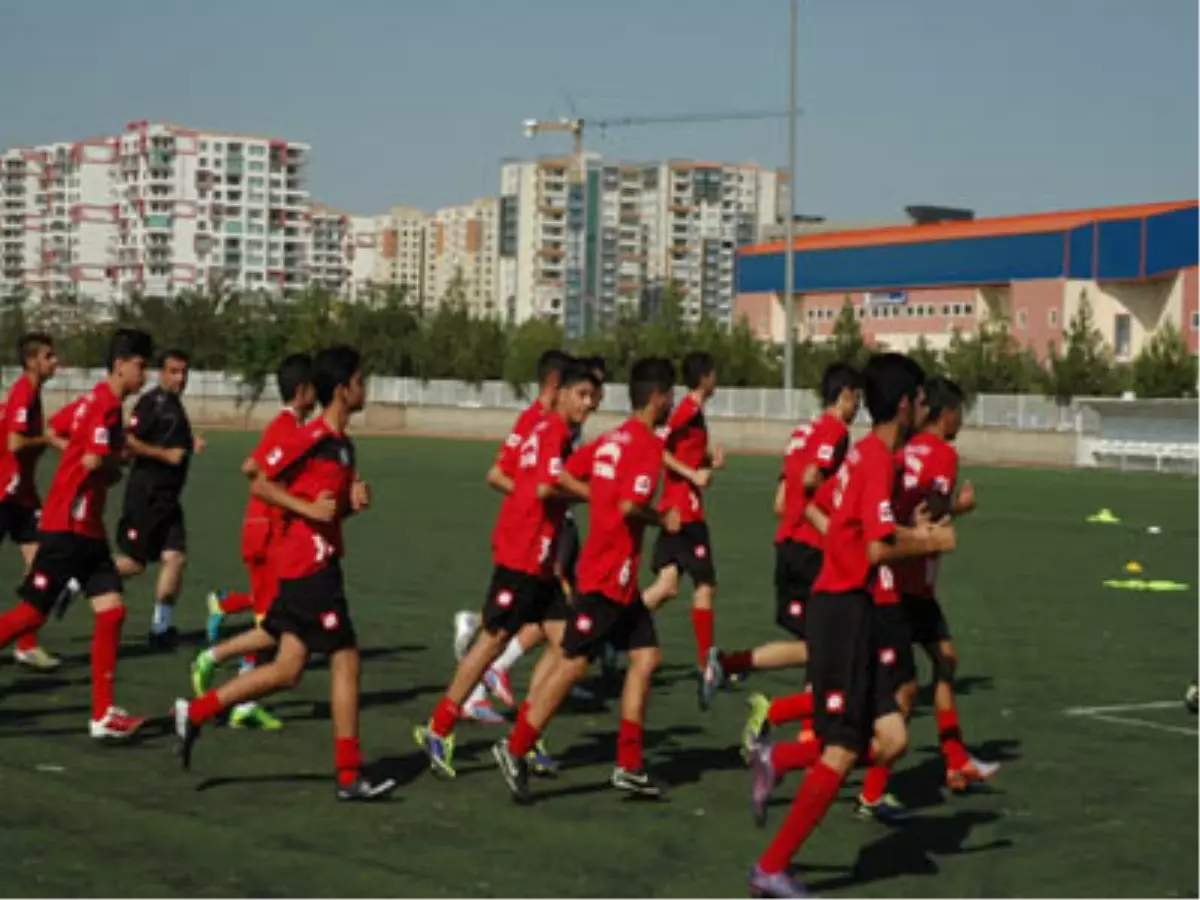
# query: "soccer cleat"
{"type": "Point", "coordinates": [186, 732]}
{"type": "Point", "coordinates": [763, 782]}
{"type": "Point", "coordinates": [483, 712]}
{"type": "Point", "coordinates": [203, 670]}
{"type": "Point", "coordinates": [363, 789]}
{"type": "Point", "coordinates": [164, 641]}
{"type": "Point", "coordinates": [540, 762]}
{"type": "Point", "coordinates": [1191, 698]}
{"type": "Point", "coordinates": [466, 626]}
{"type": "Point", "coordinates": [775, 884]}
{"type": "Point", "coordinates": [581, 694]}
{"type": "Point", "coordinates": [440, 750]}
{"type": "Point", "coordinates": [711, 677]}
{"type": "Point", "coordinates": [117, 725]}
{"type": "Point", "coordinates": [514, 769]}
{"type": "Point", "coordinates": [254, 715]}
{"type": "Point", "coordinates": [886, 809]}
{"type": "Point", "coordinates": [212, 626]}
{"type": "Point", "coordinates": [757, 726]}
{"type": "Point", "coordinates": [976, 770]}
{"type": "Point", "coordinates": [499, 686]}
{"type": "Point", "coordinates": [638, 783]}
{"type": "Point", "coordinates": [37, 659]}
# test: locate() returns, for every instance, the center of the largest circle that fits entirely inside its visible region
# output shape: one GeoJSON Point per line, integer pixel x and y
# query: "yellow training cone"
{"type": "Point", "coordinates": [1134, 567]}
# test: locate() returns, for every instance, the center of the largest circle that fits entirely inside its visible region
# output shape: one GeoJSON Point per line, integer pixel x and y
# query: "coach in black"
{"type": "Point", "coordinates": [160, 439]}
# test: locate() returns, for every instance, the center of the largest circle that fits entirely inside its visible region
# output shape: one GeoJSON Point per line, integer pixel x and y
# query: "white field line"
{"type": "Point", "coordinates": [1105, 714]}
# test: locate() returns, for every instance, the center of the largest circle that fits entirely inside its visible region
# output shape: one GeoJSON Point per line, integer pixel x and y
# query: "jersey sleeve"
{"type": "Point", "coordinates": [580, 463]}
{"type": "Point", "coordinates": [823, 498]}
{"type": "Point", "coordinates": [878, 475]}
{"type": "Point", "coordinates": [830, 449]}
{"type": "Point", "coordinates": [17, 408]}
{"type": "Point", "coordinates": [99, 428]}
{"type": "Point", "coordinates": [549, 464]}
{"type": "Point", "coordinates": [61, 421]}
{"type": "Point", "coordinates": [641, 475]}
{"type": "Point", "coordinates": [144, 416]}
{"type": "Point", "coordinates": [283, 455]}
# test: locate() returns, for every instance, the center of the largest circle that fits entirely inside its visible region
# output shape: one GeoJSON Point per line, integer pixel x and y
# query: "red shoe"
{"type": "Point", "coordinates": [975, 770]}
{"type": "Point", "coordinates": [499, 686]}
{"type": "Point", "coordinates": [117, 725]}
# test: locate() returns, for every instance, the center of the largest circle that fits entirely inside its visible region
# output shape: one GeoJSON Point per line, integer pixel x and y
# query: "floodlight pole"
{"type": "Point", "coordinates": [789, 259]}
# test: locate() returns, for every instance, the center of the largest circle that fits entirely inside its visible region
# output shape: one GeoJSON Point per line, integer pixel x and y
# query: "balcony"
{"type": "Point", "coordinates": [159, 157]}
{"type": "Point", "coordinates": [234, 165]}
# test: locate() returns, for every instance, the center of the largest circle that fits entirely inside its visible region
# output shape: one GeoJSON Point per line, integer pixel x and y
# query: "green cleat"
{"type": "Point", "coordinates": [253, 715]}
{"type": "Point", "coordinates": [439, 750]}
{"type": "Point", "coordinates": [756, 724]}
{"type": "Point", "coordinates": [204, 668]}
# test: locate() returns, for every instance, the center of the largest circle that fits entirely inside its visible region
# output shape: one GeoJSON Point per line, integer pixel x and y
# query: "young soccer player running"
{"type": "Point", "coordinates": [261, 530]}
{"type": "Point", "coordinates": [624, 469]}
{"type": "Point", "coordinates": [523, 590]}
{"type": "Point", "coordinates": [73, 546]}
{"type": "Point", "coordinates": [852, 700]}
{"type": "Point", "coordinates": [151, 528]}
{"type": "Point", "coordinates": [312, 477]}
{"type": "Point", "coordinates": [689, 463]}
{"type": "Point", "coordinates": [25, 440]}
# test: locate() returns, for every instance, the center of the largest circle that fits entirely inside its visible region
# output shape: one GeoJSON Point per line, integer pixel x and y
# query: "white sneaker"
{"type": "Point", "coordinates": [117, 725]}
{"type": "Point", "coordinates": [37, 658]}
{"type": "Point", "coordinates": [466, 626]}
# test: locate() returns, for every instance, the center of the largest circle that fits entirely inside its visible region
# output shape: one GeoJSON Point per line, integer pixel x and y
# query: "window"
{"type": "Point", "coordinates": [1022, 319]}
{"type": "Point", "coordinates": [1122, 335]}
{"type": "Point", "coordinates": [968, 309]}
{"type": "Point", "coordinates": [945, 309]}
{"type": "Point", "coordinates": [957, 309]}
{"type": "Point", "coordinates": [1195, 321]}
{"type": "Point", "coordinates": [204, 146]}
{"type": "Point", "coordinates": [257, 150]}
{"type": "Point", "coordinates": [1052, 317]}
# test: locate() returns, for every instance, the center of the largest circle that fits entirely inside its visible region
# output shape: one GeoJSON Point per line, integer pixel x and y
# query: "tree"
{"type": "Point", "coordinates": [847, 337]}
{"type": "Point", "coordinates": [1165, 368]}
{"type": "Point", "coordinates": [928, 358]}
{"type": "Point", "coordinates": [989, 361]}
{"type": "Point", "coordinates": [526, 342]}
{"type": "Point", "coordinates": [1085, 367]}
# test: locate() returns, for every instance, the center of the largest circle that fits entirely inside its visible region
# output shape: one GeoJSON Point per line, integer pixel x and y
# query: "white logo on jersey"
{"type": "Point", "coordinates": [885, 511]}
{"type": "Point", "coordinates": [274, 456]}
{"type": "Point", "coordinates": [641, 485]}
{"type": "Point", "coordinates": [100, 436]}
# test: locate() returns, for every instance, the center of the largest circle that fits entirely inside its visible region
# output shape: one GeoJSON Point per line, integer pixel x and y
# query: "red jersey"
{"type": "Point", "coordinates": [625, 466]}
{"type": "Point", "coordinates": [929, 472]}
{"type": "Point", "coordinates": [507, 458]}
{"type": "Point", "coordinates": [62, 423]}
{"type": "Point", "coordinates": [277, 432]}
{"type": "Point", "coordinates": [311, 461]}
{"type": "Point", "coordinates": [527, 526]}
{"type": "Point", "coordinates": [685, 437]}
{"type": "Point", "coordinates": [861, 514]}
{"type": "Point", "coordinates": [821, 442]}
{"type": "Point", "coordinates": [22, 415]}
{"type": "Point", "coordinates": [75, 504]}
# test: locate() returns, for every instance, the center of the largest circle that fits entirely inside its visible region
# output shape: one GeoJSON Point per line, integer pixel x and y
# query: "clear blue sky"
{"type": "Point", "coordinates": [1006, 106]}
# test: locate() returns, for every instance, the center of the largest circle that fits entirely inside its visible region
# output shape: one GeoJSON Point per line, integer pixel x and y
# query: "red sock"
{"type": "Point", "coordinates": [235, 602]}
{"type": "Point", "coordinates": [702, 624]}
{"type": "Point", "coordinates": [629, 746]}
{"type": "Point", "coordinates": [875, 783]}
{"type": "Point", "coordinates": [106, 638]}
{"type": "Point", "coordinates": [347, 759]}
{"type": "Point", "coordinates": [737, 662]}
{"type": "Point", "coordinates": [21, 620]}
{"type": "Point", "coordinates": [523, 736]}
{"type": "Point", "coordinates": [204, 708]}
{"type": "Point", "coordinates": [249, 661]}
{"type": "Point", "coordinates": [789, 755]}
{"type": "Point", "coordinates": [790, 708]}
{"type": "Point", "coordinates": [445, 717]}
{"type": "Point", "coordinates": [816, 795]}
{"type": "Point", "coordinates": [28, 641]}
{"type": "Point", "coordinates": [950, 737]}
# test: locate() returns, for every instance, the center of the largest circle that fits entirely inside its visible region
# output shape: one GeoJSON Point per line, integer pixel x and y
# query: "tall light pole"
{"type": "Point", "coordinates": [789, 258]}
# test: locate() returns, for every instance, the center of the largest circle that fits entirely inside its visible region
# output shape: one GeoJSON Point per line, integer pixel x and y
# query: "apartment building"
{"type": "Point", "coordinates": [462, 245]}
{"type": "Point", "coordinates": [401, 259]}
{"type": "Point", "coordinates": [578, 243]}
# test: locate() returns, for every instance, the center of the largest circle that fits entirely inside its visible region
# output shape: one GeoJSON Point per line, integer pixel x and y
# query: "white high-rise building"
{"type": "Point", "coordinates": [462, 244]}
{"type": "Point", "coordinates": [401, 259]}
{"type": "Point", "coordinates": [577, 248]}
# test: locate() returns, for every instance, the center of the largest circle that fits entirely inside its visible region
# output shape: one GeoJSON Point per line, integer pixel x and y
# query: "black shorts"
{"type": "Point", "coordinates": [19, 523]}
{"type": "Point", "coordinates": [894, 644]}
{"type": "Point", "coordinates": [797, 566]}
{"type": "Point", "coordinates": [515, 599]}
{"type": "Point", "coordinates": [689, 549]}
{"type": "Point", "coordinates": [568, 550]}
{"type": "Point", "coordinates": [926, 620]}
{"type": "Point", "coordinates": [596, 620]}
{"type": "Point", "coordinates": [314, 609]}
{"type": "Point", "coordinates": [150, 526]}
{"type": "Point", "coordinates": [62, 556]}
{"type": "Point", "coordinates": [849, 689]}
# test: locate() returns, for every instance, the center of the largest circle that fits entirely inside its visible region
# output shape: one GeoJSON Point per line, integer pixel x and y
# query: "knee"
{"type": "Point", "coordinates": [891, 740]}
{"type": "Point", "coordinates": [644, 663]}
{"type": "Point", "coordinates": [290, 672]}
{"type": "Point", "coordinates": [947, 665]}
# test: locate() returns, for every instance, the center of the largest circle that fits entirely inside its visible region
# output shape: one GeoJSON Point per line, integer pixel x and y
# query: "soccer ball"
{"type": "Point", "coordinates": [1191, 699]}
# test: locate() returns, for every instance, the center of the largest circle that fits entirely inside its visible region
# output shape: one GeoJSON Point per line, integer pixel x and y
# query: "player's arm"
{"type": "Point", "coordinates": [19, 443]}
{"type": "Point", "coordinates": [886, 541]}
{"type": "Point", "coordinates": [964, 500]}
{"type": "Point", "coordinates": [323, 509]}
{"type": "Point", "coordinates": [780, 501]}
{"type": "Point", "coordinates": [573, 481]}
{"type": "Point", "coordinates": [136, 443]}
{"type": "Point", "coordinates": [700, 478]}
{"type": "Point", "coordinates": [499, 481]}
{"type": "Point", "coordinates": [818, 518]}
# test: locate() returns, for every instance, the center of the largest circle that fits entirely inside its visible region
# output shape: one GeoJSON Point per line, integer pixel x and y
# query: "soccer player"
{"type": "Point", "coordinates": [689, 463]}
{"type": "Point", "coordinates": [25, 440]}
{"type": "Point", "coordinates": [312, 477]}
{"type": "Point", "coordinates": [523, 591]}
{"type": "Point", "coordinates": [151, 527]}
{"type": "Point", "coordinates": [625, 467]}
{"type": "Point", "coordinates": [261, 529]}
{"type": "Point", "coordinates": [73, 545]}
{"type": "Point", "coordinates": [815, 452]}
{"type": "Point", "coordinates": [852, 700]}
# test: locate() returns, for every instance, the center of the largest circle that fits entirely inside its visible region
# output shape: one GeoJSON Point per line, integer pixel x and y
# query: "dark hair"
{"type": "Point", "coordinates": [653, 373]}
{"type": "Point", "coordinates": [942, 394]}
{"type": "Point", "coordinates": [551, 362]}
{"type": "Point", "coordinates": [129, 343]}
{"type": "Point", "coordinates": [333, 368]}
{"type": "Point", "coordinates": [173, 353]}
{"type": "Point", "coordinates": [294, 372]}
{"type": "Point", "coordinates": [577, 370]}
{"type": "Point", "coordinates": [838, 377]}
{"type": "Point", "coordinates": [697, 365]}
{"type": "Point", "coordinates": [598, 367]}
{"type": "Point", "coordinates": [887, 379]}
{"type": "Point", "coordinates": [28, 343]}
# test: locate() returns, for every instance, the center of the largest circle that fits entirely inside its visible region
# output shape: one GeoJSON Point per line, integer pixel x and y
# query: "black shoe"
{"type": "Point", "coordinates": [163, 641]}
{"type": "Point", "coordinates": [186, 731]}
{"type": "Point", "coordinates": [514, 769]}
{"type": "Point", "coordinates": [637, 783]}
{"type": "Point", "coordinates": [364, 789]}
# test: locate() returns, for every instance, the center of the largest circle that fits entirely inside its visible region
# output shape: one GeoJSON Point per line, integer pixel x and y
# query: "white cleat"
{"type": "Point", "coordinates": [117, 725]}
{"type": "Point", "coordinates": [466, 626]}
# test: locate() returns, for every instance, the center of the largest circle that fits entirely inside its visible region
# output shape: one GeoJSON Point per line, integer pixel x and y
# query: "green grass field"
{"type": "Point", "coordinates": [1083, 807]}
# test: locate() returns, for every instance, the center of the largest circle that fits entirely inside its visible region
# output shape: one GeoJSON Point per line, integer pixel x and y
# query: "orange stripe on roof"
{"type": "Point", "coordinates": [1036, 223]}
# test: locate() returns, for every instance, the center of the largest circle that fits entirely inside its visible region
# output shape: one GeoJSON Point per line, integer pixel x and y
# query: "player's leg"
{"type": "Point", "coordinates": [170, 540]}
{"type": "Point", "coordinates": [897, 673]}
{"type": "Point", "coordinates": [664, 563]}
{"type": "Point", "coordinates": [28, 651]}
{"type": "Point", "coordinates": [962, 767]}
{"type": "Point", "coordinates": [109, 721]}
{"type": "Point", "coordinates": [496, 679]}
{"type": "Point", "coordinates": [344, 674]}
{"type": "Point", "coordinates": [554, 627]}
{"type": "Point", "coordinates": [630, 773]}
{"type": "Point", "coordinates": [249, 643]}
